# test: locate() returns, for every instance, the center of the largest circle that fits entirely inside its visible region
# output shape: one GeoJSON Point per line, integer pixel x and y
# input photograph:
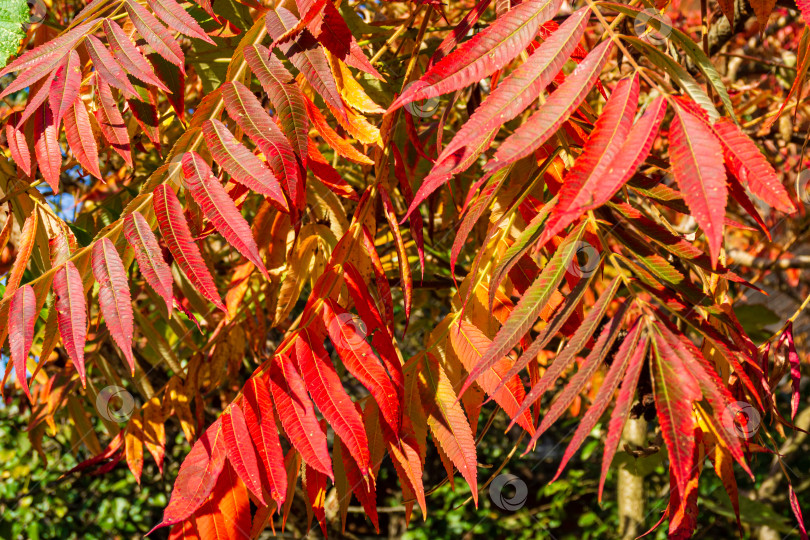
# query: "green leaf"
{"type": "Point", "coordinates": [533, 300]}
{"type": "Point", "coordinates": [690, 48]}
{"type": "Point", "coordinates": [84, 238]}
{"type": "Point", "coordinates": [677, 72]}
{"type": "Point", "coordinates": [13, 13]}
{"type": "Point", "coordinates": [211, 62]}
{"type": "Point", "coordinates": [755, 318]}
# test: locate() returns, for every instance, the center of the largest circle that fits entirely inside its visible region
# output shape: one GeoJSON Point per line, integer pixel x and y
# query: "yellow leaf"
{"type": "Point", "coordinates": [351, 91]}
{"type": "Point", "coordinates": [133, 445]}
{"type": "Point", "coordinates": [154, 430]}
{"type": "Point", "coordinates": [314, 245]}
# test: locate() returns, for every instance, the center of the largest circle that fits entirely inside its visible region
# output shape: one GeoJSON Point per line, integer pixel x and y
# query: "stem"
{"type": "Point", "coordinates": [398, 32]}
{"type": "Point", "coordinates": [630, 488]}
{"type": "Point", "coordinates": [13, 194]}
{"type": "Point", "coordinates": [704, 30]}
{"type": "Point", "coordinates": [616, 41]}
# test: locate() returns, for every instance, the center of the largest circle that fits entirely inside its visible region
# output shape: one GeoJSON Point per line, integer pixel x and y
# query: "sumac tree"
{"type": "Point", "coordinates": [313, 234]}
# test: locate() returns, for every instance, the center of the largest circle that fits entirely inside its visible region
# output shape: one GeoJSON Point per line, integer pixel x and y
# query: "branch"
{"type": "Point", "coordinates": [721, 31]}
{"type": "Point", "coordinates": [743, 258]}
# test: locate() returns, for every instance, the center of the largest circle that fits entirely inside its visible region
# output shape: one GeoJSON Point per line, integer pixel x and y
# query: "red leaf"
{"type": "Point", "coordinates": [331, 398]}
{"type": "Point", "coordinates": [111, 449]}
{"type": "Point", "coordinates": [71, 313]}
{"type": "Point", "coordinates": [623, 403]}
{"type": "Point", "coordinates": [604, 395]}
{"type": "Point", "coordinates": [111, 122]}
{"type": "Point", "coordinates": [65, 87]}
{"type": "Point", "coordinates": [178, 19]}
{"type": "Point", "coordinates": [563, 360]}
{"type": "Point", "coordinates": [285, 95]}
{"type": "Point", "coordinates": [38, 93]}
{"type": "Point", "coordinates": [797, 511]}
{"type": "Point", "coordinates": [18, 145]}
{"type": "Point", "coordinates": [307, 10]}
{"type": "Point", "coordinates": [470, 344]}
{"type": "Point", "coordinates": [750, 166]}
{"type": "Point", "coordinates": [595, 358]}
{"type": "Point", "coordinates": [447, 422]}
{"type": "Point", "coordinates": [240, 451]}
{"type": "Point", "coordinates": [348, 333]}
{"type": "Point", "coordinates": [328, 176]}
{"type": "Point", "coordinates": [243, 107]}
{"type": "Point", "coordinates": [297, 414]}
{"type": "Point", "coordinates": [129, 56]}
{"type": "Point", "coordinates": [628, 158]}
{"type": "Point", "coordinates": [261, 421]}
{"type": "Point", "coordinates": [459, 32]}
{"type": "Point", "coordinates": [522, 87]}
{"type": "Point", "coordinates": [107, 67]}
{"type": "Point", "coordinates": [795, 366]}
{"type": "Point", "coordinates": [727, 7]}
{"type": "Point", "coordinates": [113, 296]}
{"type": "Point", "coordinates": [337, 143]}
{"type": "Point", "coordinates": [46, 147]}
{"type": "Point", "coordinates": [331, 31]}
{"type": "Point", "coordinates": [604, 143]}
{"type": "Point", "coordinates": [178, 238]}
{"type": "Point", "coordinates": [315, 486]}
{"type": "Point", "coordinates": [21, 321]}
{"type": "Point", "coordinates": [363, 488]}
{"type": "Point", "coordinates": [381, 339]}
{"type": "Point", "coordinates": [380, 279]}
{"type": "Point", "coordinates": [241, 164]}
{"type": "Point", "coordinates": [197, 477]}
{"type": "Point", "coordinates": [41, 61]}
{"type": "Point", "coordinates": [226, 513]}
{"type": "Point", "coordinates": [452, 165]}
{"type": "Point", "coordinates": [149, 256]}
{"type": "Point", "coordinates": [155, 34]}
{"type": "Point", "coordinates": [610, 158]}
{"type": "Point", "coordinates": [219, 208]}
{"type": "Point", "coordinates": [683, 504]}
{"type": "Point", "coordinates": [697, 164]}
{"type": "Point", "coordinates": [675, 390]}
{"type": "Point", "coordinates": [415, 224]}
{"type": "Point", "coordinates": [307, 56]}
{"type": "Point", "coordinates": [80, 137]}
{"type": "Point", "coordinates": [556, 110]}
{"type": "Point", "coordinates": [186, 530]}
{"type": "Point", "coordinates": [489, 50]}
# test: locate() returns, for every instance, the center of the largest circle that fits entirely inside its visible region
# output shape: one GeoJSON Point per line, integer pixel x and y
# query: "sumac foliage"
{"type": "Point", "coordinates": [347, 235]}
